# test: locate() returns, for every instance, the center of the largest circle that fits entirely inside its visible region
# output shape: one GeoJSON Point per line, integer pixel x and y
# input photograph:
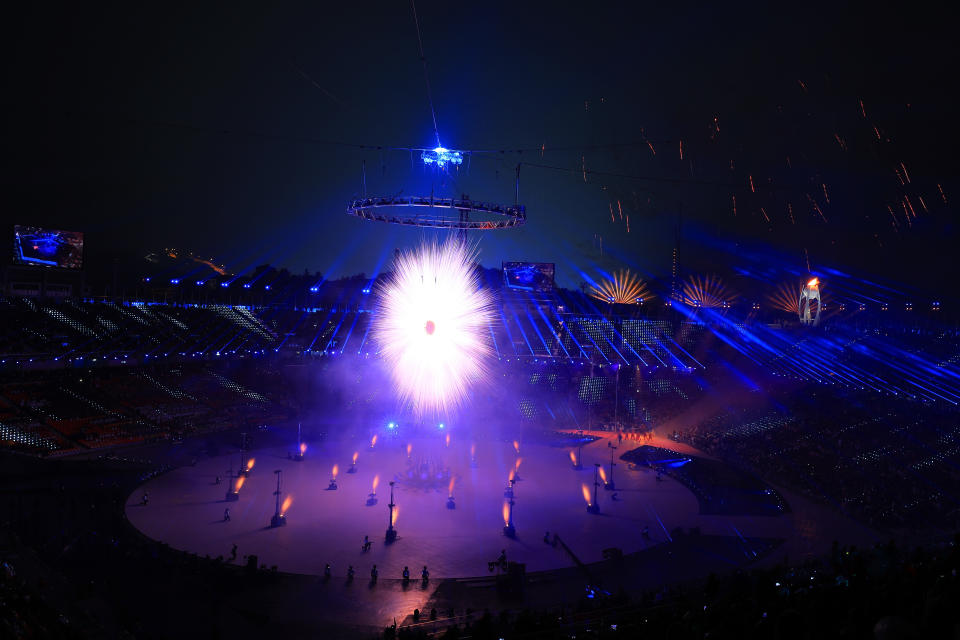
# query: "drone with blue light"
{"type": "Point", "coordinates": [441, 157]}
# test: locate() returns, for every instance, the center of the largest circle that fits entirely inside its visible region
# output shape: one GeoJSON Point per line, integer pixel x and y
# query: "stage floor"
{"type": "Point", "coordinates": [185, 508]}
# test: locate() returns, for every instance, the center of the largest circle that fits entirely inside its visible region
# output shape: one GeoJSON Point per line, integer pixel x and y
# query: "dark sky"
{"type": "Point", "coordinates": [207, 128]}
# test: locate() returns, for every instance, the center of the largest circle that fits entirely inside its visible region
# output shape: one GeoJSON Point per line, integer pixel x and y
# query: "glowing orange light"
{"type": "Point", "coordinates": [785, 298]}
{"type": "Point", "coordinates": [586, 492]}
{"type": "Point", "coordinates": [250, 464]}
{"type": "Point", "coordinates": [336, 468]}
{"type": "Point", "coordinates": [473, 450]}
{"type": "Point", "coordinates": [513, 474]}
{"type": "Point", "coordinates": [240, 482]}
{"type": "Point", "coordinates": [448, 439]}
{"type": "Point", "coordinates": [506, 513]}
{"type": "Point", "coordinates": [814, 282]}
{"type": "Point", "coordinates": [573, 457]}
{"type": "Point", "coordinates": [373, 440]}
{"type": "Point", "coordinates": [603, 475]}
{"type": "Point", "coordinates": [707, 292]}
{"type": "Point", "coordinates": [286, 505]}
{"type": "Point", "coordinates": [303, 447]}
{"type": "Point", "coordinates": [516, 465]}
{"type": "Point", "coordinates": [356, 454]}
{"type": "Point", "coordinates": [450, 489]}
{"type": "Point", "coordinates": [396, 512]}
{"type": "Point", "coordinates": [409, 449]}
{"type": "Point", "coordinates": [376, 481]}
{"type": "Point", "coordinates": [623, 288]}
{"type": "Point", "coordinates": [516, 445]}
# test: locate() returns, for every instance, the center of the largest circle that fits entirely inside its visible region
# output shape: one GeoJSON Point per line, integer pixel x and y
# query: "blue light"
{"type": "Point", "coordinates": [441, 157]}
{"type": "Point", "coordinates": [391, 425]}
{"type": "Point", "coordinates": [365, 291]}
{"type": "Point", "coordinates": [224, 284]}
{"type": "Point", "coordinates": [314, 289]}
{"type": "Point", "coordinates": [441, 426]}
{"type": "Point", "coordinates": [174, 281]}
{"type": "Point", "coordinates": [246, 285]}
{"type": "Point", "coordinates": [267, 287]}
{"type": "Point", "coordinates": [199, 283]}
{"type": "Point", "coordinates": [146, 279]}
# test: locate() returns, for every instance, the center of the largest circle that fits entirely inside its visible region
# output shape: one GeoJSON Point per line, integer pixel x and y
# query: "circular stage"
{"type": "Point", "coordinates": [185, 508]}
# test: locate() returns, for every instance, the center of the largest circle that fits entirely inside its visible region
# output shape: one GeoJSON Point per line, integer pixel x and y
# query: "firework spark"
{"type": "Point", "coordinates": [432, 325]}
{"type": "Point", "coordinates": [624, 288]}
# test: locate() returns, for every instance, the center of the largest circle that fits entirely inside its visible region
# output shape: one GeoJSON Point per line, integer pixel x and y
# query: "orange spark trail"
{"type": "Point", "coordinates": [611, 212]}
{"type": "Point", "coordinates": [862, 110]}
{"type": "Point", "coordinates": [923, 204]}
{"type": "Point", "coordinates": [620, 208]}
{"type": "Point", "coordinates": [734, 199]}
{"type": "Point", "coordinates": [790, 211]}
{"type": "Point", "coordinates": [650, 144]}
{"type": "Point", "coordinates": [752, 188]}
{"type": "Point", "coordinates": [907, 200]}
{"type": "Point", "coordinates": [681, 149]}
{"type": "Point", "coordinates": [942, 194]}
{"type": "Point", "coordinates": [904, 167]}
{"type": "Point", "coordinates": [825, 194]}
{"type": "Point", "coordinates": [763, 211]}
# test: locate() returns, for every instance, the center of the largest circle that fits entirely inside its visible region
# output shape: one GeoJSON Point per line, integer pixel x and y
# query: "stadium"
{"type": "Point", "coordinates": [683, 426]}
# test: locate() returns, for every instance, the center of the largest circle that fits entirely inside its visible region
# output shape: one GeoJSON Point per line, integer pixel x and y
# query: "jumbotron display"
{"type": "Point", "coordinates": [47, 247]}
{"type": "Point", "coordinates": [529, 276]}
{"type": "Point", "coordinates": [433, 325]}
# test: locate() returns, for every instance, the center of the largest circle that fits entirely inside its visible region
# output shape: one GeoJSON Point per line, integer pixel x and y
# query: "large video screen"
{"type": "Point", "coordinates": [47, 247]}
{"type": "Point", "coordinates": [529, 276]}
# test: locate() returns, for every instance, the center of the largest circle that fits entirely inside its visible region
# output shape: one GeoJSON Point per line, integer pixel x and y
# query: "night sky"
{"type": "Point", "coordinates": [236, 132]}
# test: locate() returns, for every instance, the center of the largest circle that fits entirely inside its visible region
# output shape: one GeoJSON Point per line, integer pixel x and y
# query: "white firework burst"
{"type": "Point", "coordinates": [432, 324]}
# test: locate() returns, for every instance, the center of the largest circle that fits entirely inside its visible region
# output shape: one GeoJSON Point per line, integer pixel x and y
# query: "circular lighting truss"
{"type": "Point", "coordinates": [439, 213]}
